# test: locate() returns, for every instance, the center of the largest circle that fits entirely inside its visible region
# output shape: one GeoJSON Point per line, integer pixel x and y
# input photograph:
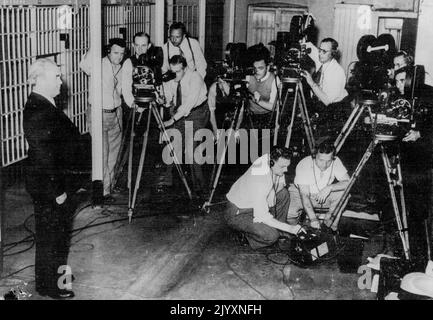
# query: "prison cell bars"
{"type": "Point", "coordinates": [16, 53]}
{"type": "Point", "coordinates": [189, 15]}
{"type": "Point", "coordinates": [30, 31]}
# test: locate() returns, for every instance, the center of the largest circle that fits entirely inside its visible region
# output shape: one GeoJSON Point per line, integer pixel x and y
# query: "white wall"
{"type": "Point", "coordinates": [424, 49]}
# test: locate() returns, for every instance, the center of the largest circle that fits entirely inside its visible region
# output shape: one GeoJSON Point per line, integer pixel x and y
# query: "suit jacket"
{"type": "Point", "coordinates": [53, 146]}
{"type": "Point", "coordinates": [418, 156]}
{"type": "Point", "coordinates": [153, 58]}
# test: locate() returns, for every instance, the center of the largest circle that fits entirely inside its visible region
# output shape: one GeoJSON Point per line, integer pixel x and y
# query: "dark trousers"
{"type": "Point", "coordinates": [199, 117]}
{"type": "Point", "coordinates": [259, 235]}
{"type": "Point", "coordinates": [53, 233]}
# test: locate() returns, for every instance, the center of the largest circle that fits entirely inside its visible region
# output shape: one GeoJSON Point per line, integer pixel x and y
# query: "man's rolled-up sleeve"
{"type": "Point", "coordinates": [127, 72]}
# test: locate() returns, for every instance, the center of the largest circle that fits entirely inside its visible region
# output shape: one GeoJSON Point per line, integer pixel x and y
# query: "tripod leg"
{"type": "Point", "coordinates": [223, 156]}
{"type": "Point", "coordinates": [306, 118]}
{"type": "Point", "coordinates": [338, 211]}
{"type": "Point", "coordinates": [334, 225]}
{"type": "Point", "coordinates": [277, 123]}
{"type": "Point", "coordinates": [286, 99]}
{"type": "Point", "coordinates": [387, 166]}
{"type": "Point", "coordinates": [250, 120]}
{"type": "Point", "coordinates": [172, 151]}
{"type": "Point", "coordinates": [403, 204]}
{"type": "Point", "coordinates": [292, 120]}
{"type": "Point", "coordinates": [348, 127]}
{"type": "Point", "coordinates": [131, 152]}
{"type": "Point", "coordinates": [140, 166]}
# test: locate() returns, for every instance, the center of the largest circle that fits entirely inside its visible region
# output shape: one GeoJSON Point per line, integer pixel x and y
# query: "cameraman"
{"type": "Point", "coordinates": [328, 83]}
{"type": "Point", "coordinates": [263, 89]}
{"type": "Point", "coordinates": [187, 94]}
{"type": "Point", "coordinates": [401, 60]}
{"type": "Point", "coordinates": [146, 54]}
{"type": "Point", "coordinates": [416, 154]}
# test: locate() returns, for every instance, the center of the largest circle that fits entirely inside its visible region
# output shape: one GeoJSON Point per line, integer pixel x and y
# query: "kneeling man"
{"type": "Point", "coordinates": [314, 187]}
{"type": "Point", "coordinates": [259, 201]}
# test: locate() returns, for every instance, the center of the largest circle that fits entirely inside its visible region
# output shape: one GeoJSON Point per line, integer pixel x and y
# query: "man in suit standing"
{"type": "Point", "coordinates": [52, 140]}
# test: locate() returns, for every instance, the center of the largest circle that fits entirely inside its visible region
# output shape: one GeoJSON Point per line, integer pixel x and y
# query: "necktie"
{"type": "Point", "coordinates": [181, 52]}
{"type": "Point", "coordinates": [178, 96]}
{"type": "Point", "coordinates": [318, 76]}
{"type": "Point", "coordinates": [115, 79]}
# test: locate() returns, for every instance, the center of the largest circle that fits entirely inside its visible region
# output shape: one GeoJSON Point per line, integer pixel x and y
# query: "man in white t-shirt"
{"type": "Point", "coordinates": [258, 201]}
{"type": "Point", "coordinates": [315, 187]}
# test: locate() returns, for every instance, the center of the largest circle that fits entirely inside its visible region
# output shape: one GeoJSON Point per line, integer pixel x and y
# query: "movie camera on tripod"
{"type": "Point", "coordinates": [144, 84]}
{"type": "Point", "coordinates": [292, 60]}
{"type": "Point", "coordinates": [291, 53]}
{"type": "Point", "coordinates": [235, 67]}
{"type": "Point", "coordinates": [390, 114]}
{"type": "Point", "coordinates": [376, 57]}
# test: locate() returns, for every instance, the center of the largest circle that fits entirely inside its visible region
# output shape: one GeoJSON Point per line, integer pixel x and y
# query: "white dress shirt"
{"type": "Point", "coordinates": [333, 77]}
{"type": "Point", "coordinates": [112, 92]}
{"type": "Point", "coordinates": [200, 62]}
{"type": "Point", "coordinates": [194, 93]}
{"type": "Point", "coordinates": [256, 190]}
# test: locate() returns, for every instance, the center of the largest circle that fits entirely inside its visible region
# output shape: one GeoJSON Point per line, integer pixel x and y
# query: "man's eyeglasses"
{"type": "Point", "coordinates": [261, 68]}
{"type": "Point", "coordinates": [323, 51]}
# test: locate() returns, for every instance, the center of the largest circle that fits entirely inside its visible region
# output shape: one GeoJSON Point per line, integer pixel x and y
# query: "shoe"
{"type": "Point", "coordinates": [58, 294]}
{"type": "Point", "coordinates": [62, 294]}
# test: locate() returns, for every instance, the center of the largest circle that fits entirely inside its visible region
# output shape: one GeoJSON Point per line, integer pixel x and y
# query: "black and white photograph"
{"type": "Point", "coordinates": [215, 155]}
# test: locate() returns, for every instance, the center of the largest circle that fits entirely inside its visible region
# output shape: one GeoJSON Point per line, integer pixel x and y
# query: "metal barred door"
{"type": "Point", "coordinates": [28, 32]}
{"type": "Point", "coordinates": [186, 11]}
{"type": "Point", "coordinates": [265, 23]}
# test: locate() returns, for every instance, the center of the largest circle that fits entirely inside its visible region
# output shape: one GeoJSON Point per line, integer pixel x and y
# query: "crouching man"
{"type": "Point", "coordinates": [315, 191]}
{"type": "Point", "coordinates": [259, 201]}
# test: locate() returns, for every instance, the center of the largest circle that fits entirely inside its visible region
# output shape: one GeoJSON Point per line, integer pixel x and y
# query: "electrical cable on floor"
{"type": "Point", "coordinates": [30, 239]}
{"type": "Point", "coordinates": [243, 280]}
{"type": "Point", "coordinates": [16, 272]}
{"type": "Point", "coordinates": [14, 244]}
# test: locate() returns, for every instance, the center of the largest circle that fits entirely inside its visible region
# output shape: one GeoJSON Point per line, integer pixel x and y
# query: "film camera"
{"type": "Point", "coordinates": [376, 57]}
{"type": "Point", "coordinates": [394, 113]}
{"type": "Point", "coordinates": [291, 57]}
{"type": "Point", "coordinates": [390, 117]}
{"type": "Point", "coordinates": [236, 65]}
{"type": "Point", "coordinates": [144, 83]}
{"type": "Point", "coordinates": [294, 63]}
